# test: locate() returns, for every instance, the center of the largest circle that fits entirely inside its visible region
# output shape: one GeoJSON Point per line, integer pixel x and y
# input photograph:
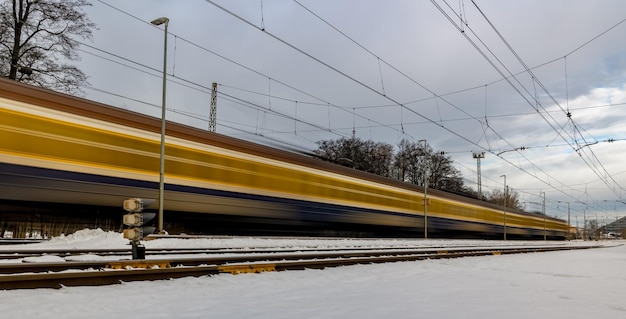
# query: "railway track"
{"type": "Point", "coordinates": [64, 253]}
{"type": "Point", "coordinates": [93, 273]}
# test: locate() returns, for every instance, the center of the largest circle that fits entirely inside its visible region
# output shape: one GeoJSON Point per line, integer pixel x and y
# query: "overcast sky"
{"type": "Point", "coordinates": [484, 76]}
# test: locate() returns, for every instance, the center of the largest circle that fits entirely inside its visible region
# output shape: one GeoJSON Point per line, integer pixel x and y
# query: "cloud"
{"type": "Point", "coordinates": [574, 48]}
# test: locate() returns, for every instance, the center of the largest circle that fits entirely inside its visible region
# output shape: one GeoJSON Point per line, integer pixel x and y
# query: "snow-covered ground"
{"type": "Point", "coordinates": [569, 284]}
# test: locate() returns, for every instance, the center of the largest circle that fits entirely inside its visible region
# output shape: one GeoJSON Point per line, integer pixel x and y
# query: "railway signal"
{"type": "Point", "coordinates": [136, 220]}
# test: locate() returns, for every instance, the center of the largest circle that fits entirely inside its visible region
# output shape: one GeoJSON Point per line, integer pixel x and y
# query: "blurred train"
{"type": "Point", "coordinates": [55, 148]}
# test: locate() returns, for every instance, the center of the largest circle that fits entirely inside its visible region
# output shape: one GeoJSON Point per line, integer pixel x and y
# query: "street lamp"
{"type": "Point", "coordinates": [568, 222]}
{"type": "Point", "coordinates": [505, 198]}
{"type": "Point", "coordinates": [165, 21]}
{"type": "Point", "coordinates": [584, 224]}
{"type": "Point", "coordinates": [425, 192]}
{"type": "Point", "coordinates": [543, 209]}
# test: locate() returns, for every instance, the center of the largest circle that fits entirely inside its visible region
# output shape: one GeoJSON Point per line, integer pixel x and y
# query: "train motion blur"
{"type": "Point", "coordinates": [55, 148]}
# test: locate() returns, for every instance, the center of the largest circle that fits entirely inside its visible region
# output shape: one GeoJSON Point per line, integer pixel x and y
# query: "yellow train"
{"type": "Point", "coordinates": [56, 148]}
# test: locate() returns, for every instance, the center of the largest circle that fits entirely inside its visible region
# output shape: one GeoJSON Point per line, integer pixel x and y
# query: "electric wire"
{"type": "Point", "coordinates": [593, 157]}
{"type": "Point", "coordinates": [435, 96]}
{"type": "Point", "coordinates": [459, 135]}
{"type": "Point", "coordinates": [507, 79]}
{"type": "Point", "coordinates": [393, 67]}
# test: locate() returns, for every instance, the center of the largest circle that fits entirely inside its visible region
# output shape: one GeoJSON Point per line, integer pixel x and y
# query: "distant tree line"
{"type": "Point", "coordinates": [408, 164]}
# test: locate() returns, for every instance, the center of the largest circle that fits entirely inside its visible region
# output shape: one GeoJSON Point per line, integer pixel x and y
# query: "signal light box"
{"type": "Point", "coordinates": [135, 221]}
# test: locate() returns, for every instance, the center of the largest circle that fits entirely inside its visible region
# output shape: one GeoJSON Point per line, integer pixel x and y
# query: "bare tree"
{"type": "Point", "coordinates": [39, 37]}
{"type": "Point", "coordinates": [512, 198]}
{"type": "Point", "coordinates": [408, 164]}
{"type": "Point", "coordinates": [353, 152]}
{"type": "Point", "coordinates": [412, 160]}
{"type": "Point", "coordinates": [444, 175]}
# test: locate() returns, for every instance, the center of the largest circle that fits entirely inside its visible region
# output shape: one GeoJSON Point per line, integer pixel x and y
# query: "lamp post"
{"type": "Point", "coordinates": [425, 192]}
{"type": "Point", "coordinates": [505, 198]}
{"type": "Point", "coordinates": [568, 222]}
{"type": "Point", "coordinates": [585, 224]}
{"type": "Point", "coordinates": [543, 210]}
{"type": "Point", "coordinates": [165, 21]}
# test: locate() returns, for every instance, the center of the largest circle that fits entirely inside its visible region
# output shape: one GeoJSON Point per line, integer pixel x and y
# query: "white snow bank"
{"type": "Point", "coordinates": [43, 259]}
{"type": "Point", "coordinates": [565, 284]}
{"type": "Point", "coordinates": [85, 239]}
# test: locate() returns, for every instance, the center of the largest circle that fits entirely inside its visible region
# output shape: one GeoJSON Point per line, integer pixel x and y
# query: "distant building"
{"type": "Point", "coordinates": [573, 233]}
{"type": "Point", "coordinates": [617, 227]}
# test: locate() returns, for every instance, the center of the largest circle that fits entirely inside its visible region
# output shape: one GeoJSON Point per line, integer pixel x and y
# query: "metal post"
{"type": "Point", "coordinates": [584, 224]}
{"type": "Point", "coordinates": [213, 110]}
{"type": "Point", "coordinates": [478, 156]}
{"type": "Point", "coordinates": [569, 226]}
{"type": "Point", "coordinates": [577, 227]}
{"type": "Point", "coordinates": [596, 231]}
{"type": "Point", "coordinates": [425, 192]}
{"type": "Point", "coordinates": [505, 198]}
{"type": "Point", "coordinates": [160, 21]}
{"type": "Point", "coordinates": [543, 209]}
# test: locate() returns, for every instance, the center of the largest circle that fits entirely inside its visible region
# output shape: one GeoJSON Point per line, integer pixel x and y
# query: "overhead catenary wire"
{"type": "Point", "coordinates": [508, 78]}
{"type": "Point", "coordinates": [243, 66]}
{"type": "Point", "coordinates": [379, 59]}
{"type": "Point", "coordinates": [352, 108]}
{"type": "Point", "coordinates": [326, 102]}
{"type": "Point", "coordinates": [234, 126]}
{"type": "Point", "coordinates": [435, 95]}
{"type": "Point", "coordinates": [597, 171]}
{"type": "Point", "coordinates": [279, 39]}
{"type": "Point", "coordinates": [186, 83]}
{"type": "Point", "coordinates": [592, 158]}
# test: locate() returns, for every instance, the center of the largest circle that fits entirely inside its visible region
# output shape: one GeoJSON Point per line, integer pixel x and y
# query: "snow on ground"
{"type": "Point", "coordinates": [568, 284]}
{"type": "Point", "coordinates": [99, 239]}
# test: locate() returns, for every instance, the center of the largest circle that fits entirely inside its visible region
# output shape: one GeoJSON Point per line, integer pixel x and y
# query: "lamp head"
{"type": "Point", "coordinates": [160, 21]}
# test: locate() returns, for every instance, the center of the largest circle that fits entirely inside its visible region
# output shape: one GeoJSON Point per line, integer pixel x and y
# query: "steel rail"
{"type": "Point", "coordinates": [254, 255]}
{"type": "Point", "coordinates": [60, 274]}
{"type": "Point", "coordinates": [23, 253]}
